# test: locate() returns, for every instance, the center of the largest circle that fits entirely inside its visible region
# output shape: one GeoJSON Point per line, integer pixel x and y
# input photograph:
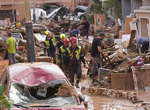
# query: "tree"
{"type": "Point", "coordinates": [113, 7]}
{"type": "Point", "coordinates": [97, 6]}
{"type": "Point", "coordinates": [109, 7]}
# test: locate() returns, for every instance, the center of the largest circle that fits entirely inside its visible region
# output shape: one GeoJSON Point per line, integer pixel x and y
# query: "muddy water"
{"type": "Point", "coordinates": [107, 103]}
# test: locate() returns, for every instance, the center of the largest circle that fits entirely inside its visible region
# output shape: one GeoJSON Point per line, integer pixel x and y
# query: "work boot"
{"type": "Point", "coordinates": [77, 83]}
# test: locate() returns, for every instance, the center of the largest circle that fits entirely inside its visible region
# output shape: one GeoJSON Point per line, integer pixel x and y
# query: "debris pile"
{"type": "Point", "coordinates": [66, 90]}
{"type": "Point", "coordinates": [114, 93]}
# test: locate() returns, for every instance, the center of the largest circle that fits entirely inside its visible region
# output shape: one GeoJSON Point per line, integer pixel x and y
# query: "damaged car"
{"type": "Point", "coordinates": [40, 86]}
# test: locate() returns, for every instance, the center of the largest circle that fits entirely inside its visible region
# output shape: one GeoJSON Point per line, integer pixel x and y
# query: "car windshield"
{"type": "Point", "coordinates": [40, 96]}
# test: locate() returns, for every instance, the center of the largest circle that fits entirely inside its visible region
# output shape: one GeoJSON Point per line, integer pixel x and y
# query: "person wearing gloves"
{"type": "Point", "coordinates": [63, 56]}
{"type": "Point", "coordinates": [76, 56]}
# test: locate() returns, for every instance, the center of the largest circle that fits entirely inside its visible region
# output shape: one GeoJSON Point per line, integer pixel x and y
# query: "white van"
{"type": "Point", "coordinates": [38, 12]}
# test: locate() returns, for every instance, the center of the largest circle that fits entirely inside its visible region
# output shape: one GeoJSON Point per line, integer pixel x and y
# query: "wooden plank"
{"type": "Point", "coordinates": [131, 44]}
{"type": "Point", "coordinates": [3, 65]}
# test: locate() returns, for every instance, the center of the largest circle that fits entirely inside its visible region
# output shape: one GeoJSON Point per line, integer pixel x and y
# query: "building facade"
{"type": "Point", "coordinates": [128, 6]}
{"type": "Point", "coordinates": [15, 9]}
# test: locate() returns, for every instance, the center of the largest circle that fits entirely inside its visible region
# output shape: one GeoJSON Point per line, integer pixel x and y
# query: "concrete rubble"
{"type": "Point", "coordinates": [120, 75]}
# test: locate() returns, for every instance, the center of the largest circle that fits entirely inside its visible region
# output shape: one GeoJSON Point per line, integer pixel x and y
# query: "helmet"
{"type": "Point", "coordinates": [62, 36]}
{"type": "Point", "coordinates": [73, 39]}
{"type": "Point", "coordinates": [47, 32]}
{"type": "Point", "coordinates": [66, 41]}
{"type": "Point", "coordinates": [18, 24]}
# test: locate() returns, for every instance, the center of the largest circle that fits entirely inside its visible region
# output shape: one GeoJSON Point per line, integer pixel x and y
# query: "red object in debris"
{"type": "Point", "coordinates": [21, 48]}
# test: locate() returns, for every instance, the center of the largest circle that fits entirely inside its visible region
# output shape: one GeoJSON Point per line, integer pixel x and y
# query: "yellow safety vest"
{"type": "Point", "coordinates": [47, 43]}
{"type": "Point", "coordinates": [77, 52]}
{"type": "Point", "coordinates": [62, 50]}
{"type": "Point", "coordinates": [54, 41]}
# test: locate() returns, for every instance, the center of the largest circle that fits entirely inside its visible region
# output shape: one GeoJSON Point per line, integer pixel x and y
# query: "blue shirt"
{"type": "Point", "coordinates": [141, 40]}
{"type": "Point", "coordinates": [76, 31]}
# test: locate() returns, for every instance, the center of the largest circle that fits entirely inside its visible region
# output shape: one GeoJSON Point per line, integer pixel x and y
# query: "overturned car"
{"type": "Point", "coordinates": [41, 86]}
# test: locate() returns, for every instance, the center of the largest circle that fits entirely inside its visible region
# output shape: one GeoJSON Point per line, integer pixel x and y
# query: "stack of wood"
{"type": "Point", "coordinates": [66, 90]}
{"type": "Point", "coordinates": [113, 93]}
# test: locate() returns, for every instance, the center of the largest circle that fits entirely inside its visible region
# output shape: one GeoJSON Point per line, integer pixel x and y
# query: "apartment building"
{"type": "Point", "coordinates": [128, 6]}
{"type": "Point", "coordinates": [15, 9]}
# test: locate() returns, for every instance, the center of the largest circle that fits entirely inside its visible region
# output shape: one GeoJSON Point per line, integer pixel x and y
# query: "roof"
{"type": "Point", "coordinates": [34, 74]}
{"type": "Point", "coordinates": [143, 9]}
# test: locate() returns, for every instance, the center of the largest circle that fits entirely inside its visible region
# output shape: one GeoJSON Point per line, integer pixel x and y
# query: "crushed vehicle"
{"type": "Point", "coordinates": [81, 11]}
{"type": "Point", "coordinates": [41, 86]}
{"type": "Point", "coordinates": [58, 14]}
{"type": "Point", "coordinates": [38, 12]}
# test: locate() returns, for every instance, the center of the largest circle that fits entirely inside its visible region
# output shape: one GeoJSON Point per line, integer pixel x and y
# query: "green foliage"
{"type": "Point", "coordinates": [97, 7]}
{"type": "Point", "coordinates": [114, 7]}
{"type": "Point", "coordinates": [2, 88]}
{"type": "Point", "coordinates": [4, 102]}
{"type": "Point", "coordinates": [110, 5]}
{"type": "Point", "coordinates": [90, 18]}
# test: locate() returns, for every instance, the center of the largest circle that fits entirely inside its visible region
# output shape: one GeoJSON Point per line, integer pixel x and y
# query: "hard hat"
{"type": "Point", "coordinates": [47, 32]}
{"type": "Point", "coordinates": [73, 39]}
{"type": "Point", "coordinates": [66, 41]}
{"type": "Point", "coordinates": [62, 36]}
{"type": "Point", "coordinates": [18, 24]}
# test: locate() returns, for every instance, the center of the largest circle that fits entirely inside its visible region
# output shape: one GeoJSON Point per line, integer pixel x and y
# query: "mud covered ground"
{"type": "Point", "coordinates": [107, 103]}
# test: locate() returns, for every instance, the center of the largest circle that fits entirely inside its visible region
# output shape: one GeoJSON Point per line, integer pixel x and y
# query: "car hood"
{"type": "Point", "coordinates": [35, 74]}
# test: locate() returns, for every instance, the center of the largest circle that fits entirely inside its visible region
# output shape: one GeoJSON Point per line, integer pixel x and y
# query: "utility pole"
{"type": "Point", "coordinates": [34, 15]}
{"type": "Point", "coordinates": [13, 11]}
{"type": "Point", "coordinates": [29, 33]}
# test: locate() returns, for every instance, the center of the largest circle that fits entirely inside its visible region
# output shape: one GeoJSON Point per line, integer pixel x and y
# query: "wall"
{"type": "Point", "coordinates": [20, 8]}
{"type": "Point", "coordinates": [146, 2]}
{"type": "Point", "coordinates": [127, 25]}
{"type": "Point", "coordinates": [126, 8]}
{"type": "Point", "coordinates": [135, 4]}
{"type": "Point", "coordinates": [98, 26]}
{"type": "Point", "coordinates": [140, 16]}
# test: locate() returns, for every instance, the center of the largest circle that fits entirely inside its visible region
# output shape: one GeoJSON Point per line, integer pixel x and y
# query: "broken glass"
{"type": "Point", "coordinates": [24, 97]}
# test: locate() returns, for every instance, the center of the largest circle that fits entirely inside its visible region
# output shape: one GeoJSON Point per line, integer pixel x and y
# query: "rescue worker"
{"type": "Point", "coordinates": [63, 56]}
{"type": "Point", "coordinates": [11, 48]}
{"type": "Point", "coordinates": [76, 56]}
{"type": "Point", "coordinates": [60, 43]}
{"type": "Point", "coordinates": [47, 44]}
{"type": "Point", "coordinates": [52, 44]}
